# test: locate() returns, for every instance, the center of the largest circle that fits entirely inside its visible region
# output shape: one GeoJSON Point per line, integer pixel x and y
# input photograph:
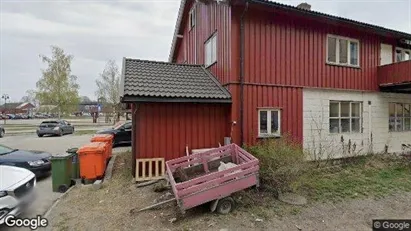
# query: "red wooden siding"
{"type": "Point", "coordinates": [165, 129]}
{"type": "Point", "coordinates": [211, 18]}
{"type": "Point", "coordinates": [395, 73]}
{"type": "Point", "coordinates": [287, 50]}
{"type": "Point", "coordinates": [287, 99]}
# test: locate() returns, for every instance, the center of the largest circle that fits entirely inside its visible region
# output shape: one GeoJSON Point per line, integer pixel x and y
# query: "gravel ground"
{"type": "Point", "coordinates": [108, 209]}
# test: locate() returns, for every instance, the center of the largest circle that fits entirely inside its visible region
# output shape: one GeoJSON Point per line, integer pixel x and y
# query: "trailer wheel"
{"type": "Point", "coordinates": [225, 205]}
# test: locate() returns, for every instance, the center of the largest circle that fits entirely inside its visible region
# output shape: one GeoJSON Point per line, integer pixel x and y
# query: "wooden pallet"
{"type": "Point", "coordinates": [150, 169]}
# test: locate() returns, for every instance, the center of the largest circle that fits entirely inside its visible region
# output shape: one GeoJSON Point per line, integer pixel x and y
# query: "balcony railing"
{"type": "Point", "coordinates": [395, 73]}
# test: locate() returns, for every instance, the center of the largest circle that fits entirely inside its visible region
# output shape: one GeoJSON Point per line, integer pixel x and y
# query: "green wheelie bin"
{"type": "Point", "coordinates": [75, 173]}
{"type": "Point", "coordinates": [61, 172]}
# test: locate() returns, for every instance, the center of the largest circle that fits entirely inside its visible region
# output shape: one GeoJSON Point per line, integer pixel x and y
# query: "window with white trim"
{"type": "Point", "coordinates": [343, 51]}
{"type": "Point", "coordinates": [210, 50]}
{"type": "Point", "coordinates": [399, 117]}
{"type": "Point", "coordinates": [192, 17]}
{"type": "Point", "coordinates": [269, 122]}
{"type": "Point", "coordinates": [345, 117]}
{"type": "Point", "coordinates": [402, 54]}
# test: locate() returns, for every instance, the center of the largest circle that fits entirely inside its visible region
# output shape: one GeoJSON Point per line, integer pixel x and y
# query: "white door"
{"type": "Point", "coordinates": [386, 54]}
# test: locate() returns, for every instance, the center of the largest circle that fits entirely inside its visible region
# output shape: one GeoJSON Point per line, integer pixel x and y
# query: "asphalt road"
{"type": "Point", "coordinates": [73, 120]}
{"type": "Point", "coordinates": [14, 127]}
{"type": "Point", "coordinates": [53, 145]}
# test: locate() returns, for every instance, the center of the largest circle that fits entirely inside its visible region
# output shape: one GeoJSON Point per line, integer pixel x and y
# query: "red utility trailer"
{"type": "Point", "coordinates": [196, 179]}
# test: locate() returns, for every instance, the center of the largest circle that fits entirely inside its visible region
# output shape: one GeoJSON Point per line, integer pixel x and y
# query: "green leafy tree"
{"type": "Point", "coordinates": [108, 86]}
{"type": "Point", "coordinates": [58, 86]}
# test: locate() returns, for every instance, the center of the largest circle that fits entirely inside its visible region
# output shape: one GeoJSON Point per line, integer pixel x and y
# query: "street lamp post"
{"type": "Point", "coordinates": [99, 106]}
{"type": "Point", "coordinates": [5, 97]}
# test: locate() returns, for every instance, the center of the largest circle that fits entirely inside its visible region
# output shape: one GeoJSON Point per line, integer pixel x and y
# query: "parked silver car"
{"type": "Point", "coordinates": [55, 127]}
{"type": "Point", "coordinates": [17, 190]}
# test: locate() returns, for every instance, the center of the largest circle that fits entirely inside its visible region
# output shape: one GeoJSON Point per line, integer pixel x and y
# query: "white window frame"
{"type": "Point", "coordinates": [402, 50]}
{"type": "Point", "coordinates": [337, 52]}
{"type": "Point", "coordinates": [269, 133]}
{"type": "Point", "coordinates": [210, 46]}
{"type": "Point", "coordinates": [192, 17]}
{"type": "Point", "coordinates": [349, 117]}
{"type": "Point", "coordinates": [396, 117]}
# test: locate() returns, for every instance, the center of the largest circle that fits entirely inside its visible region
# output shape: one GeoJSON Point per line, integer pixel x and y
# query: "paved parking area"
{"type": "Point", "coordinates": [53, 145]}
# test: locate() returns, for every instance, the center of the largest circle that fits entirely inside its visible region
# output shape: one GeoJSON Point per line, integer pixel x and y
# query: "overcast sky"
{"type": "Point", "coordinates": [96, 31]}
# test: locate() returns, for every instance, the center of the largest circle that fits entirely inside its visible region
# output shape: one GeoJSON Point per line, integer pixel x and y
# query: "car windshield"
{"type": "Point", "coordinates": [48, 123]}
{"type": "Point", "coordinates": [5, 150]}
{"type": "Point", "coordinates": [118, 125]}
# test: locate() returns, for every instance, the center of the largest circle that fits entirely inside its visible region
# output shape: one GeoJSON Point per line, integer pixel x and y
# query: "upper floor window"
{"type": "Point", "coordinates": [399, 117]}
{"type": "Point", "coordinates": [269, 122]}
{"type": "Point", "coordinates": [210, 50]}
{"type": "Point", "coordinates": [345, 116]}
{"type": "Point", "coordinates": [343, 51]}
{"type": "Point", "coordinates": [402, 54]}
{"type": "Point", "coordinates": [192, 17]}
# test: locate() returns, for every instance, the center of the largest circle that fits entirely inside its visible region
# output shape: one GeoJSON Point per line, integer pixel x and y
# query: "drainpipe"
{"type": "Point", "coordinates": [133, 138]}
{"type": "Point", "coordinates": [370, 138]}
{"type": "Point", "coordinates": [242, 47]}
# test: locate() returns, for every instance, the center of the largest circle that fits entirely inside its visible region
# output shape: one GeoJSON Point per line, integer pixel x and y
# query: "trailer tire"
{"type": "Point", "coordinates": [225, 205]}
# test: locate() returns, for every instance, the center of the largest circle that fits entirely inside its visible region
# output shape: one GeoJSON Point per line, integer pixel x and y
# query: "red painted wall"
{"type": "Point", "coordinates": [211, 17]}
{"type": "Point", "coordinates": [284, 53]}
{"type": "Point", "coordinates": [165, 129]}
{"type": "Point", "coordinates": [287, 50]}
{"type": "Point", "coordinates": [287, 99]}
{"type": "Point", "coordinates": [395, 73]}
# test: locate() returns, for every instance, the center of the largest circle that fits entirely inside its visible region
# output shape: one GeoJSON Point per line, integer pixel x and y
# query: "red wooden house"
{"type": "Point", "coordinates": [335, 85]}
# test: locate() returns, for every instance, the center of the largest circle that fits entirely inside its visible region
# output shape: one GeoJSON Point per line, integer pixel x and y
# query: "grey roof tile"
{"type": "Point", "coordinates": [142, 78]}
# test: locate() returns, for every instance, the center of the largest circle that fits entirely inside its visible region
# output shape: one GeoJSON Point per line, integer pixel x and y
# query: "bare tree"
{"type": "Point", "coordinates": [108, 86]}
{"type": "Point", "coordinates": [30, 97]}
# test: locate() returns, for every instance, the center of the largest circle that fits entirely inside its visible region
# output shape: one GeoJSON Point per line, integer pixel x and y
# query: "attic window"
{"type": "Point", "coordinates": [192, 17]}
{"type": "Point", "coordinates": [210, 51]}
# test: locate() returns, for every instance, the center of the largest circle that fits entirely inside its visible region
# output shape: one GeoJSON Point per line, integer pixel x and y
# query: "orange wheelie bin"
{"type": "Point", "coordinates": [92, 159]}
{"type": "Point", "coordinates": [106, 138]}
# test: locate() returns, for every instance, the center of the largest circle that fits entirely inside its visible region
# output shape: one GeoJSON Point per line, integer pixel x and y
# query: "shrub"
{"type": "Point", "coordinates": [282, 161]}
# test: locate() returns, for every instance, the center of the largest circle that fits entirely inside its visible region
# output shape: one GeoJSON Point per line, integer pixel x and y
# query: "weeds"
{"type": "Point", "coordinates": [281, 163]}
{"type": "Point", "coordinates": [122, 168]}
{"type": "Point", "coordinates": [284, 167]}
{"type": "Point", "coordinates": [373, 175]}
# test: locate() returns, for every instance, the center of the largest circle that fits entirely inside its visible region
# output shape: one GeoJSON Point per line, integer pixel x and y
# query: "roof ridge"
{"type": "Point", "coordinates": [319, 13]}
{"type": "Point", "coordinates": [162, 62]}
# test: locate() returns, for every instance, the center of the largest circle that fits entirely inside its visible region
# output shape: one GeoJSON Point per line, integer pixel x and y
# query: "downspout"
{"type": "Point", "coordinates": [133, 139]}
{"type": "Point", "coordinates": [370, 138]}
{"type": "Point", "coordinates": [242, 47]}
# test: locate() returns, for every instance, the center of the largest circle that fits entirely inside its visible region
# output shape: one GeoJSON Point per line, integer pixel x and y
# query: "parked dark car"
{"type": "Point", "coordinates": [17, 117]}
{"type": "Point", "coordinates": [121, 133]}
{"type": "Point", "coordinates": [2, 132]}
{"type": "Point", "coordinates": [36, 161]}
{"type": "Point", "coordinates": [11, 116]}
{"type": "Point", "coordinates": [55, 127]}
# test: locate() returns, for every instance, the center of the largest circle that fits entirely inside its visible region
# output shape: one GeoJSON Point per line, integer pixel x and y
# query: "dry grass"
{"type": "Point", "coordinates": [108, 208]}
